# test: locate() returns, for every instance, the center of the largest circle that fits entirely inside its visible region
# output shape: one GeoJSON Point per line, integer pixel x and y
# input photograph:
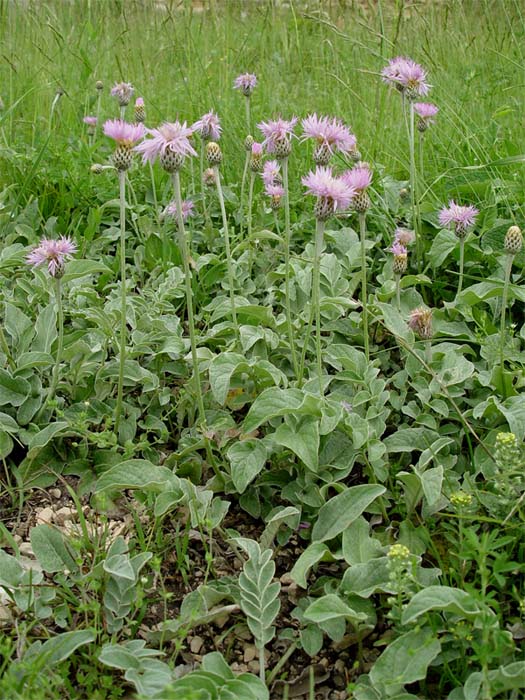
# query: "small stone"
{"type": "Point", "coordinates": [26, 549]}
{"type": "Point", "coordinates": [286, 580]}
{"type": "Point", "coordinates": [196, 644]}
{"type": "Point", "coordinates": [45, 517]}
{"type": "Point", "coordinates": [63, 514]}
{"type": "Point", "coordinates": [250, 653]}
{"type": "Point", "coordinates": [55, 493]}
{"type": "Point", "coordinates": [253, 666]}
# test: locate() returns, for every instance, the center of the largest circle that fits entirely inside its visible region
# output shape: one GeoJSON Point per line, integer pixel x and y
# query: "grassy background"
{"type": "Point", "coordinates": [309, 56]}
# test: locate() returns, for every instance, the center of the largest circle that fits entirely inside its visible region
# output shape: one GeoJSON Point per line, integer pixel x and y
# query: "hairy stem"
{"type": "Point", "coordinates": [413, 182]}
{"type": "Point", "coordinates": [287, 234]}
{"type": "Point", "coordinates": [123, 301]}
{"type": "Point", "coordinates": [229, 264]}
{"type": "Point", "coordinates": [316, 301]}
{"type": "Point", "coordinates": [60, 347]}
{"type": "Point", "coordinates": [461, 264]}
{"type": "Point", "coordinates": [398, 292]}
{"type": "Point", "coordinates": [364, 301]}
{"type": "Point", "coordinates": [508, 268]}
{"type": "Point", "coordinates": [243, 187]}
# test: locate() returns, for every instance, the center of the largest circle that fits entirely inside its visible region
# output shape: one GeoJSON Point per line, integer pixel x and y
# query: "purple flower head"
{"type": "Point", "coordinates": [420, 321]}
{"type": "Point", "coordinates": [276, 132]}
{"type": "Point", "coordinates": [90, 121]}
{"type": "Point", "coordinates": [462, 218]}
{"type": "Point", "coordinates": [139, 102]}
{"type": "Point", "coordinates": [188, 209]}
{"type": "Point", "coordinates": [271, 173]}
{"type": "Point", "coordinates": [404, 236]}
{"type": "Point", "coordinates": [170, 136]}
{"type": "Point", "coordinates": [332, 193]}
{"type": "Point", "coordinates": [425, 110]}
{"type": "Point", "coordinates": [397, 248]}
{"type": "Point", "coordinates": [123, 133]}
{"type": "Point", "coordinates": [208, 126]}
{"type": "Point", "coordinates": [54, 252]}
{"type": "Point", "coordinates": [359, 178]}
{"type": "Point", "coordinates": [407, 76]}
{"type": "Point", "coordinates": [123, 92]}
{"type": "Point", "coordinates": [245, 82]}
{"type": "Point", "coordinates": [330, 132]}
{"type": "Point", "coordinates": [257, 149]}
{"type": "Point", "coordinates": [273, 190]}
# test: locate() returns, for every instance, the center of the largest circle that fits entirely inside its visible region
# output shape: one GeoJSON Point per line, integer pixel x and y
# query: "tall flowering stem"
{"type": "Point", "coordinates": [123, 299]}
{"type": "Point", "coordinates": [513, 244]}
{"type": "Point", "coordinates": [228, 249]}
{"type": "Point", "coordinates": [364, 300]}
{"type": "Point", "coordinates": [461, 219]}
{"type": "Point", "coordinates": [189, 294]}
{"type": "Point", "coordinates": [413, 183]}
{"type": "Point", "coordinates": [60, 346]}
{"type": "Point", "coordinates": [287, 239]}
{"type": "Point", "coordinates": [316, 300]}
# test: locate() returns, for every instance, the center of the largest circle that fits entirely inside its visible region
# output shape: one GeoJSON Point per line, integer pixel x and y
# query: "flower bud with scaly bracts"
{"type": "Point", "coordinates": [513, 240]}
{"type": "Point", "coordinates": [248, 143]}
{"type": "Point", "coordinates": [213, 153]}
{"type": "Point", "coordinates": [140, 111]}
{"type": "Point", "coordinates": [256, 165]}
{"type": "Point", "coordinates": [208, 177]}
{"type": "Point", "coordinates": [420, 321]}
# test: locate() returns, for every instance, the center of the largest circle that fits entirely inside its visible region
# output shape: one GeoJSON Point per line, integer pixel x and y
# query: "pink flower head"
{"type": "Point", "coordinates": [170, 136]}
{"type": "Point", "coordinates": [397, 248]}
{"type": "Point", "coordinates": [332, 193]}
{"type": "Point", "coordinates": [404, 236]}
{"type": "Point", "coordinates": [426, 110]}
{"type": "Point", "coordinates": [271, 173]}
{"type": "Point", "coordinates": [245, 82]}
{"type": "Point", "coordinates": [188, 209]}
{"type": "Point", "coordinates": [90, 121]}
{"type": "Point", "coordinates": [462, 218]}
{"type": "Point", "coordinates": [330, 132]}
{"type": "Point", "coordinates": [277, 132]}
{"type": "Point", "coordinates": [420, 321]}
{"type": "Point", "coordinates": [53, 252]}
{"type": "Point", "coordinates": [208, 126]}
{"type": "Point", "coordinates": [123, 92]}
{"type": "Point", "coordinates": [123, 133]}
{"type": "Point", "coordinates": [359, 178]}
{"type": "Point", "coordinates": [407, 76]}
{"type": "Point", "coordinates": [273, 190]}
{"type": "Point", "coordinates": [139, 102]}
{"type": "Point", "coordinates": [257, 149]}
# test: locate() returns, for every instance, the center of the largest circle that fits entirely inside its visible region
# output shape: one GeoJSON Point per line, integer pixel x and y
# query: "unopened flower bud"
{"type": "Point", "coordinates": [248, 143]}
{"type": "Point", "coordinates": [99, 85]}
{"type": "Point", "coordinates": [513, 240]}
{"type": "Point", "coordinates": [213, 153]}
{"type": "Point", "coordinates": [208, 177]}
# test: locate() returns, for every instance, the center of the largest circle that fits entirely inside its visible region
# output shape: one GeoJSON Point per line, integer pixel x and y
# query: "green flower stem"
{"type": "Point", "coordinates": [99, 98]}
{"type": "Point", "coordinates": [316, 301]}
{"type": "Point", "coordinates": [227, 247]}
{"type": "Point", "coordinates": [123, 112]}
{"type": "Point", "coordinates": [508, 268]}
{"type": "Point", "coordinates": [428, 351]}
{"type": "Point", "coordinates": [203, 187]}
{"type": "Point", "coordinates": [123, 301]}
{"type": "Point", "coordinates": [287, 234]}
{"type": "Point", "coordinates": [364, 301]}
{"type": "Point", "coordinates": [250, 204]}
{"type": "Point", "coordinates": [461, 264]}
{"type": "Point", "coordinates": [398, 292]}
{"type": "Point", "coordinates": [413, 183]}
{"type": "Point", "coordinates": [6, 350]}
{"type": "Point", "coordinates": [243, 188]}
{"type": "Point", "coordinates": [248, 115]}
{"type": "Point", "coordinates": [60, 348]}
{"type": "Point", "coordinates": [189, 297]}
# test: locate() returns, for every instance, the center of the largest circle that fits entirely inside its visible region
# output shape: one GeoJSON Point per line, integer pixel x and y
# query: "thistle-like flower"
{"type": "Point", "coordinates": [140, 111]}
{"type": "Point", "coordinates": [278, 134]}
{"type": "Point", "coordinates": [208, 126]}
{"type": "Point", "coordinates": [359, 179]}
{"type": "Point", "coordinates": [331, 135]}
{"type": "Point", "coordinates": [54, 252]}
{"type": "Point", "coordinates": [90, 121]}
{"type": "Point", "coordinates": [123, 92]}
{"type": "Point", "coordinates": [400, 254]}
{"type": "Point", "coordinates": [208, 177]}
{"type": "Point", "coordinates": [245, 82]}
{"type": "Point", "coordinates": [426, 112]}
{"type": "Point", "coordinates": [420, 322]}
{"type": "Point", "coordinates": [126, 135]}
{"type": "Point", "coordinates": [271, 173]}
{"type": "Point", "coordinates": [188, 209]}
{"type": "Point", "coordinates": [276, 194]}
{"type": "Point", "coordinates": [407, 76]}
{"type": "Point", "coordinates": [333, 193]}
{"type": "Point", "coordinates": [404, 236]}
{"type": "Point", "coordinates": [461, 218]}
{"type": "Point", "coordinates": [170, 143]}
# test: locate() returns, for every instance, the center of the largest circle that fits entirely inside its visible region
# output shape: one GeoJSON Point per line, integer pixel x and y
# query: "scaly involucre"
{"type": "Point", "coordinates": [122, 132]}
{"type": "Point", "coordinates": [208, 126]}
{"type": "Point", "coordinates": [54, 252]}
{"type": "Point", "coordinates": [333, 193]}
{"type": "Point", "coordinates": [276, 131]}
{"type": "Point", "coordinates": [170, 136]}
{"type": "Point", "coordinates": [330, 132]}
